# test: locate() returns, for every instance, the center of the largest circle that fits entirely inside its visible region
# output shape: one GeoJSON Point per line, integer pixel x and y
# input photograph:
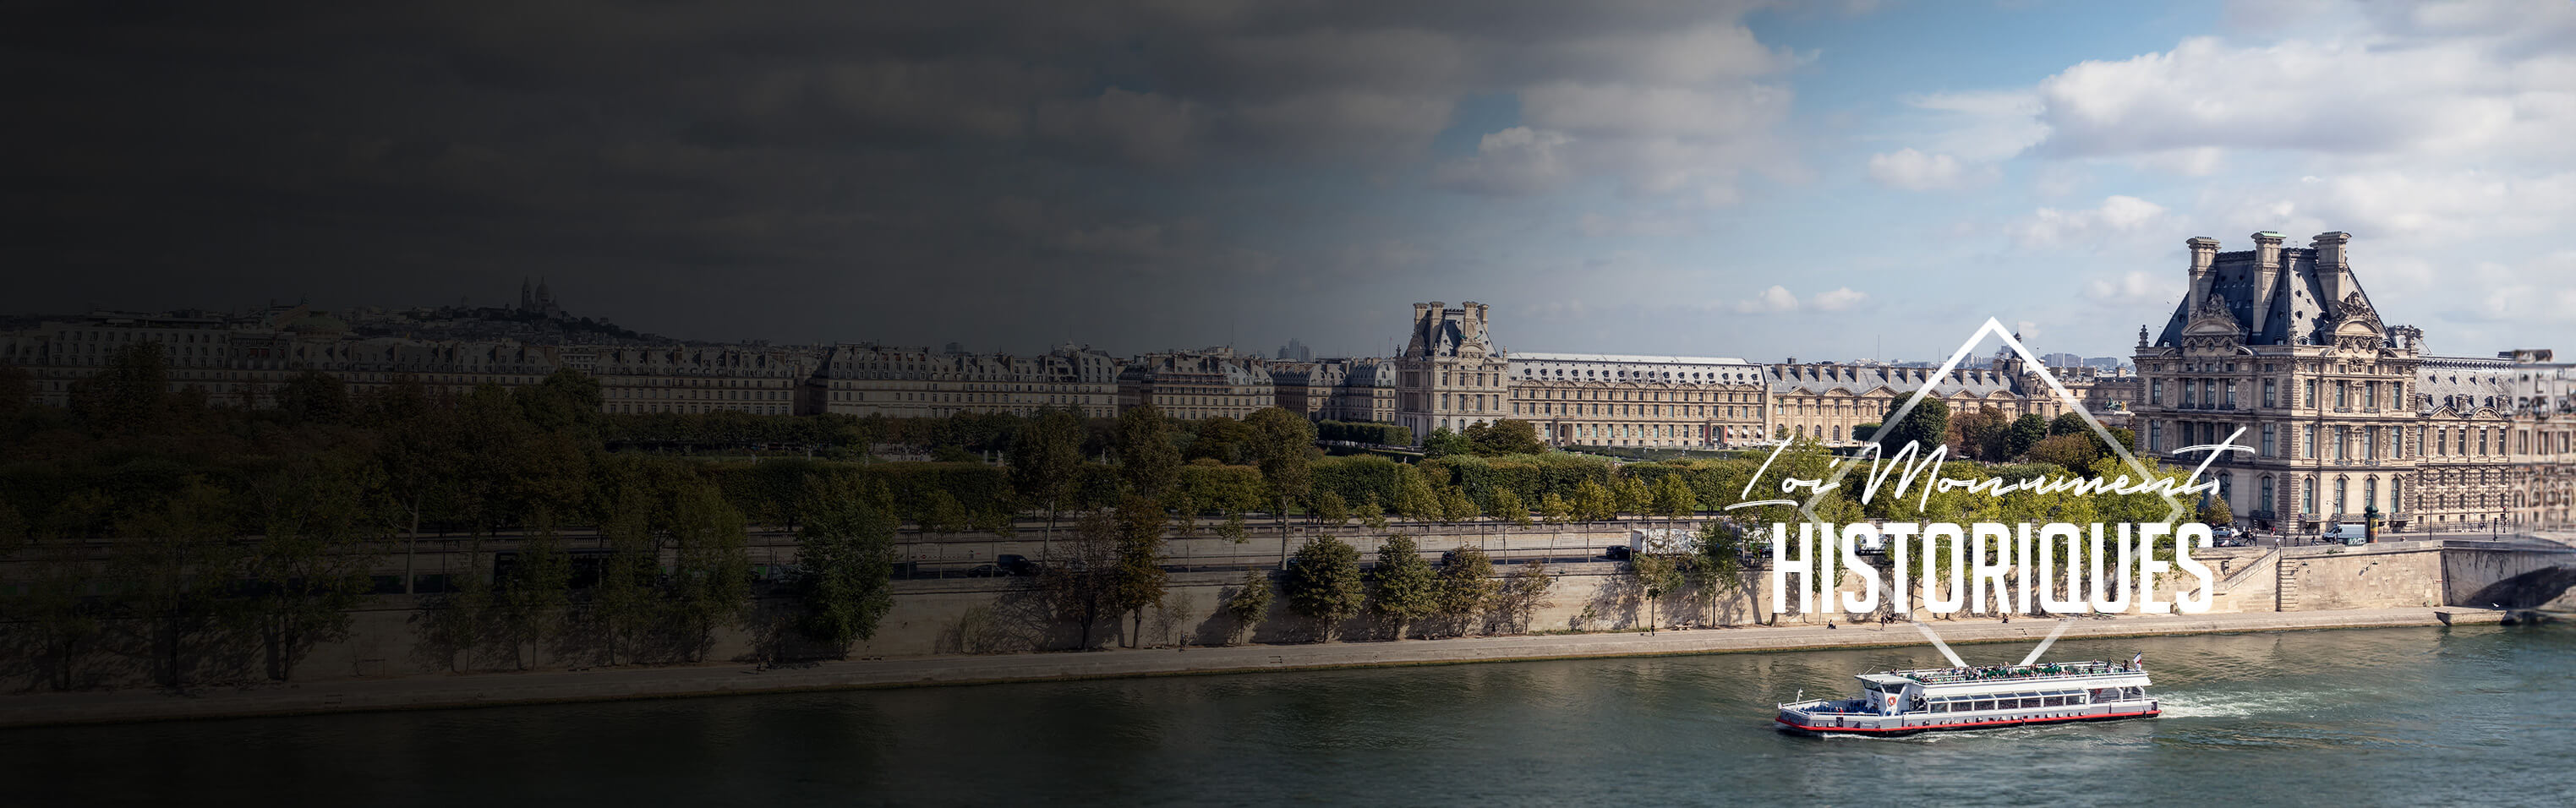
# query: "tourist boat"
{"type": "Point", "coordinates": [1965, 697]}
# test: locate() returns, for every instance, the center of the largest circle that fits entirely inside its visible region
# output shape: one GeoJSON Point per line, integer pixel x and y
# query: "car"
{"type": "Point", "coordinates": [1615, 552]}
{"type": "Point", "coordinates": [1015, 564]}
{"type": "Point", "coordinates": [2346, 534]}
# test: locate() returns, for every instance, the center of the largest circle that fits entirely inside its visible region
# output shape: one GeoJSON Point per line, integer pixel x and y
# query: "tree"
{"type": "Point", "coordinates": [711, 571]}
{"type": "Point", "coordinates": [1044, 458]}
{"type": "Point", "coordinates": [314, 397]}
{"type": "Point", "coordinates": [1443, 443]}
{"type": "Point", "coordinates": [1138, 581]}
{"type": "Point", "coordinates": [1519, 596]}
{"type": "Point", "coordinates": [844, 564]}
{"type": "Point", "coordinates": [1976, 434]}
{"type": "Point", "coordinates": [1323, 583]}
{"type": "Point", "coordinates": [1372, 514]}
{"type": "Point", "coordinates": [1507, 505]}
{"type": "Point", "coordinates": [1674, 498]}
{"type": "Point", "coordinates": [311, 568]}
{"type": "Point", "coordinates": [1633, 495]}
{"type": "Point", "coordinates": [129, 393]}
{"type": "Point", "coordinates": [1249, 601]}
{"type": "Point", "coordinates": [1284, 448]}
{"type": "Point", "coordinates": [2026, 431]}
{"type": "Point", "coordinates": [2068, 423]}
{"type": "Point", "coordinates": [1658, 575]}
{"type": "Point", "coordinates": [1508, 436]}
{"type": "Point", "coordinates": [1147, 460]}
{"type": "Point", "coordinates": [2214, 512]}
{"type": "Point", "coordinates": [1466, 586]}
{"type": "Point", "coordinates": [1414, 496]}
{"type": "Point", "coordinates": [2071, 451]}
{"type": "Point", "coordinates": [536, 596]}
{"type": "Point", "coordinates": [176, 563]}
{"type": "Point", "coordinates": [1593, 502]}
{"type": "Point", "coordinates": [1406, 587]}
{"type": "Point", "coordinates": [1331, 509]}
{"type": "Point", "coordinates": [1555, 508]}
{"type": "Point", "coordinates": [1927, 425]}
{"type": "Point", "coordinates": [54, 602]}
{"type": "Point", "coordinates": [1456, 506]}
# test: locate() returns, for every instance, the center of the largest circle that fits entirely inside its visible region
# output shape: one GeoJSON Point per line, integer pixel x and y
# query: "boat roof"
{"type": "Point", "coordinates": [1997, 674]}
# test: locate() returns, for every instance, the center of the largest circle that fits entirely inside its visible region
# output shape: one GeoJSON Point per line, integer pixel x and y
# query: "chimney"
{"type": "Point", "coordinates": [2267, 271]}
{"type": "Point", "coordinates": [2332, 273]}
{"type": "Point", "coordinates": [2204, 253]}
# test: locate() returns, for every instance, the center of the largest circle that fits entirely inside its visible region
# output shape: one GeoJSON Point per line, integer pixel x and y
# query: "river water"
{"type": "Point", "coordinates": [2480, 716]}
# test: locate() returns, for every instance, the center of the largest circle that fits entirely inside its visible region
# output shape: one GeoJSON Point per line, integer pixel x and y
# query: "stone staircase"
{"type": "Point", "coordinates": [2285, 589]}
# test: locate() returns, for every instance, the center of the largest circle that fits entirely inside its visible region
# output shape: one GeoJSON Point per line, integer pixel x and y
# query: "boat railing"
{"type": "Point", "coordinates": [2006, 673]}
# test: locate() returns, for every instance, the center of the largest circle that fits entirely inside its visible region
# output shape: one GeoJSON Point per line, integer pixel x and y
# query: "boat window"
{"type": "Point", "coordinates": [2053, 701]}
{"type": "Point", "coordinates": [1985, 704]}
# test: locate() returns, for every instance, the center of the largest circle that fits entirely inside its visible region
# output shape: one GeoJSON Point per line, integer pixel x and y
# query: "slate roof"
{"type": "Point", "coordinates": [2297, 312]}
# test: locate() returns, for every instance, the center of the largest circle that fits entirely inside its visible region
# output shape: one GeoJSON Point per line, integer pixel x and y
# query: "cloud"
{"type": "Point", "coordinates": [2132, 287]}
{"type": "Point", "coordinates": [2119, 218]}
{"type": "Point", "coordinates": [1778, 299]}
{"type": "Point", "coordinates": [1910, 170]}
{"type": "Point", "coordinates": [1840, 299]}
{"type": "Point", "coordinates": [1773, 300]}
{"type": "Point", "coordinates": [1515, 161]}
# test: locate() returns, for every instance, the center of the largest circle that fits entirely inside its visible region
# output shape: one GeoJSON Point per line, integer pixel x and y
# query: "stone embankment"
{"type": "Point", "coordinates": [493, 689]}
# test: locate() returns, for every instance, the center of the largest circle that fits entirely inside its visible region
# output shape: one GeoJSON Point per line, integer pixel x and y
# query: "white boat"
{"type": "Point", "coordinates": [1958, 698]}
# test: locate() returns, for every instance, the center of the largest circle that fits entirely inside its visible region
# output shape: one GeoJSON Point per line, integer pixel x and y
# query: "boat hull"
{"type": "Point", "coordinates": [1787, 725]}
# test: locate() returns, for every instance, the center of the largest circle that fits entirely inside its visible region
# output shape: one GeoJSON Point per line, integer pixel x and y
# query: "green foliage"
{"type": "Point", "coordinates": [1466, 587]}
{"type": "Point", "coordinates": [1407, 589]}
{"type": "Point", "coordinates": [1330, 509]}
{"type": "Point", "coordinates": [1507, 506]}
{"type": "Point", "coordinates": [1674, 499]}
{"type": "Point", "coordinates": [1283, 447]}
{"type": "Point", "coordinates": [1247, 603]}
{"type": "Point", "coordinates": [1594, 502]}
{"type": "Point", "coordinates": [1323, 583]}
{"type": "Point", "coordinates": [1045, 457]}
{"type": "Point", "coordinates": [844, 560]}
{"type": "Point", "coordinates": [2025, 432]}
{"type": "Point", "coordinates": [2068, 423]}
{"type": "Point", "coordinates": [1147, 459]}
{"type": "Point", "coordinates": [1372, 433]}
{"type": "Point", "coordinates": [1444, 443]}
{"type": "Point", "coordinates": [2074, 450]}
{"type": "Point", "coordinates": [1978, 435]}
{"type": "Point", "coordinates": [1507, 436]}
{"type": "Point", "coordinates": [1928, 425]}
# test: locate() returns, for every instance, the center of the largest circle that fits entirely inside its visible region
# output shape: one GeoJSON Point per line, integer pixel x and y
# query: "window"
{"type": "Point", "coordinates": [2342, 487]}
{"type": "Point", "coordinates": [2231, 394]}
{"type": "Point", "coordinates": [2156, 392]}
{"type": "Point", "coordinates": [2343, 394]}
{"type": "Point", "coordinates": [2187, 398]}
{"type": "Point", "coordinates": [2266, 494]}
{"type": "Point", "coordinates": [2155, 436]}
{"type": "Point", "coordinates": [2269, 387]}
{"type": "Point", "coordinates": [2309, 397]}
{"type": "Point", "coordinates": [2268, 430]}
{"type": "Point", "coordinates": [2308, 496]}
{"type": "Point", "coordinates": [2370, 492]}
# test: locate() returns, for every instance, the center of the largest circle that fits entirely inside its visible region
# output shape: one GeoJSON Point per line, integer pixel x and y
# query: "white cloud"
{"type": "Point", "coordinates": [1773, 300]}
{"type": "Point", "coordinates": [1778, 299]}
{"type": "Point", "coordinates": [1980, 126]}
{"type": "Point", "coordinates": [1840, 299]}
{"type": "Point", "coordinates": [1912, 170]}
{"type": "Point", "coordinates": [2132, 287]}
{"type": "Point", "coordinates": [1514, 161]}
{"type": "Point", "coordinates": [2119, 218]}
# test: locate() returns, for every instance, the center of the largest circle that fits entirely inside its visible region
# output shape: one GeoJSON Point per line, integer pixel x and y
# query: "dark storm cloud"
{"type": "Point", "coordinates": [998, 172]}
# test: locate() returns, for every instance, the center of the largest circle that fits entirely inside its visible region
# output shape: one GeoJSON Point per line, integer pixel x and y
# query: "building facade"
{"type": "Point", "coordinates": [897, 382]}
{"type": "Point", "coordinates": [2345, 415]}
{"type": "Point", "coordinates": [1209, 383]}
{"type": "Point", "coordinates": [1451, 375]}
{"type": "Point", "coordinates": [1650, 401]}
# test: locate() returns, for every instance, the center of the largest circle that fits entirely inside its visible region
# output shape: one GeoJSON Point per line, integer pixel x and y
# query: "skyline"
{"type": "Point", "coordinates": [1735, 179]}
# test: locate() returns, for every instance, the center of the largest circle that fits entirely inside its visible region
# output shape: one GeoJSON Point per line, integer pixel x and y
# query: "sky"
{"type": "Point", "coordinates": [1824, 180]}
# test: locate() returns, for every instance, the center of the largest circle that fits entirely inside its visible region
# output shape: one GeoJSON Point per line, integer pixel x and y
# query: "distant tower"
{"type": "Point", "coordinates": [527, 295]}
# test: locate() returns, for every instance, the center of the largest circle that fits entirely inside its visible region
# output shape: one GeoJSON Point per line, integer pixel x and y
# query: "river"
{"type": "Point", "coordinates": [2473, 715]}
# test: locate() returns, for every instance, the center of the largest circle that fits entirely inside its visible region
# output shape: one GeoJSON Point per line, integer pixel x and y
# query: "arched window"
{"type": "Point", "coordinates": [2342, 487]}
{"type": "Point", "coordinates": [2308, 495]}
{"type": "Point", "coordinates": [2370, 492]}
{"type": "Point", "coordinates": [2266, 494]}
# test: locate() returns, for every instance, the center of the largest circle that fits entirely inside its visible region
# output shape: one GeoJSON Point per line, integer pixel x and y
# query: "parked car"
{"type": "Point", "coordinates": [1015, 564]}
{"type": "Point", "coordinates": [2347, 534]}
{"type": "Point", "coordinates": [1615, 552]}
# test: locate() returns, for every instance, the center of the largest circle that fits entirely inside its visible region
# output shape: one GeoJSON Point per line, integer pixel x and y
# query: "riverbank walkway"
{"type": "Point", "coordinates": [600, 684]}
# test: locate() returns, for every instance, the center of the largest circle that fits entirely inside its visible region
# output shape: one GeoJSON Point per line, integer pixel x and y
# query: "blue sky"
{"type": "Point", "coordinates": [1915, 173]}
{"type": "Point", "coordinates": [1732, 178]}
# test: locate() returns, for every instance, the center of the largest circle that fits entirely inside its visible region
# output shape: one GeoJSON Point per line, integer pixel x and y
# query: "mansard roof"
{"type": "Point", "coordinates": [2299, 311]}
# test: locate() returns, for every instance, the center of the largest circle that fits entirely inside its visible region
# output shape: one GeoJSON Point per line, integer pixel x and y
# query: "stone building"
{"type": "Point", "coordinates": [241, 360]}
{"type": "Point", "coordinates": [1831, 402]}
{"type": "Point", "coordinates": [700, 379]}
{"type": "Point", "coordinates": [1208, 383]}
{"type": "Point", "coordinates": [1450, 375]}
{"type": "Point", "coordinates": [896, 382]}
{"type": "Point", "coordinates": [1336, 389]}
{"type": "Point", "coordinates": [1653, 401]}
{"type": "Point", "coordinates": [2346, 415]}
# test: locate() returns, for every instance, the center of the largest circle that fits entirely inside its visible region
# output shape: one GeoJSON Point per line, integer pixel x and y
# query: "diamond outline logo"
{"type": "Point", "coordinates": [1992, 326]}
